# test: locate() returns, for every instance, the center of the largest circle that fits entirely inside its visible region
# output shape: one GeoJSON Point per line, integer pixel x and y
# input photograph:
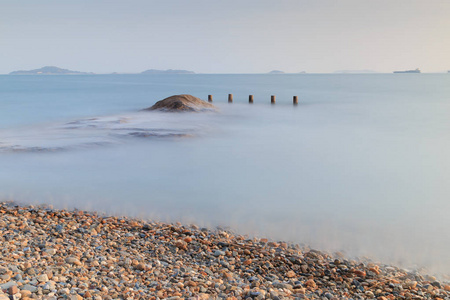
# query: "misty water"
{"type": "Point", "coordinates": [360, 165]}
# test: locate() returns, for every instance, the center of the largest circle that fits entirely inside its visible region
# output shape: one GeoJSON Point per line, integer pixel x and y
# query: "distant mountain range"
{"type": "Point", "coordinates": [49, 70]}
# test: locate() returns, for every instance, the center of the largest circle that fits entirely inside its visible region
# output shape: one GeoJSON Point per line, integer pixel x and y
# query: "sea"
{"type": "Point", "coordinates": [361, 165]}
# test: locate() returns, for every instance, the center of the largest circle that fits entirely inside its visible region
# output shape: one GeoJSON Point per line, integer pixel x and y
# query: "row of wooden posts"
{"type": "Point", "coordinates": [250, 99]}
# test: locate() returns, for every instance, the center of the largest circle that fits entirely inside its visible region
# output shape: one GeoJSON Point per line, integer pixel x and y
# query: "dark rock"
{"type": "Point", "coordinates": [254, 294]}
{"type": "Point", "coordinates": [59, 228]}
{"type": "Point", "coordinates": [147, 227]}
{"type": "Point", "coordinates": [182, 103]}
{"type": "Point", "coordinates": [436, 284]}
{"type": "Point", "coordinates": [222, 244]}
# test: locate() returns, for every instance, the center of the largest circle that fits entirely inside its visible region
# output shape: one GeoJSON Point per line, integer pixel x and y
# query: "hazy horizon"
{"type": "Point", "coordinates": [225, 37]}
{"type": "Point", "coordinates": [337, 72]}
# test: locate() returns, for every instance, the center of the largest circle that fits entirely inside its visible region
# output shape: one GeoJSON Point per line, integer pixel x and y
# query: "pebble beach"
{"type": "Point", "coordinates": [59, 254]}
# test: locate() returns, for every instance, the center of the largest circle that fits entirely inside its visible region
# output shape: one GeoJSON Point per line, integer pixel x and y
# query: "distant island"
{"type": "Point", "coordinates": [408, 71]}
{"type": "Point", "coordinates": [170, 71]}
{"type": "Point", "coordinates": [49, 70]}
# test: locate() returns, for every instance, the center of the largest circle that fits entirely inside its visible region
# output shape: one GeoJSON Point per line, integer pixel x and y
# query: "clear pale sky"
{"type": "Point", "coordinates": [232, 36]}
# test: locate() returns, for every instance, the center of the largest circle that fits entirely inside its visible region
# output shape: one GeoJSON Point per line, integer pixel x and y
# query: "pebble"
{"type": "Point", "coordinates": [12, 290]}
{"type": "Point", "coordinates": [50, 251]}
{"type": "Point", "coordinates": [50, 254]}
{"type": "Point", "coordinates": [219, 253]}
{"type": "Point", "coordinates": [290, 274]}
{"type": "Point", "coordinates": [25, 293]}
{"type": "Point", "coordinates": [5, 277]}
{"type": "Point", "coordinates": [29, 287]}
{"type": "Point", "coordinates": [73, 260]}
{"type": "Point", "coordinates": [7, 285]}
{"type": "Point", "coordinates": [42, 278]}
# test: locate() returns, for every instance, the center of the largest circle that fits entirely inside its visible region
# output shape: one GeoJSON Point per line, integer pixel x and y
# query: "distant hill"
{"type": "Point", "coordinates": [48, 70]}
{"type": "Point", "coordinates": [276, 72]}
{"type": "Point", "coordinates": [170, 71]}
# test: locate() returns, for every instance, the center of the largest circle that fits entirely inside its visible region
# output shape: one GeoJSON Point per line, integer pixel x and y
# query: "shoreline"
{"type": "Point", "coordinates": [59, 254]}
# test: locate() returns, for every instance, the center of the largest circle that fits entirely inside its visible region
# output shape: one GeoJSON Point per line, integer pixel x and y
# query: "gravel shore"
{"type": "Point", "coordinates": [58, 254]}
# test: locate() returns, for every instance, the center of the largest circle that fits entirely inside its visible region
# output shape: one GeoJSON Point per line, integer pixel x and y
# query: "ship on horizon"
{"type": "Point", "coordinates": [409, 71]}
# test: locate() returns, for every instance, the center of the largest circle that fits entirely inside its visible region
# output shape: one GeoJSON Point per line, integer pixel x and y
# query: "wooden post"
{"type": "Point", "coordinates": [209, 98]}
{"type": "Point", "coordinates": [230, 98]}
{"type": "Point", "coordinates": [295, 100]}
{"type": "Point", "coordinates": [272, 99]}
{"type": "Point", "coordinates": [250, 99]}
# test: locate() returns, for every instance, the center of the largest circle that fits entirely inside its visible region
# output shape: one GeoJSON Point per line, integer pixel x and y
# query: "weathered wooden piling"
{"type": "Point", "coordinates": [250, 99]}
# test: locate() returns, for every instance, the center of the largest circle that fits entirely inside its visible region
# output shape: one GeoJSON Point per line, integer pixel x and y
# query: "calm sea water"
{"type": "Point", "coordinates": [360, 165]}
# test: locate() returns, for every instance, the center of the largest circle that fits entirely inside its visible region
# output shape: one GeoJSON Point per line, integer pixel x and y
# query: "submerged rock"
{"type": "Point", "coordinates": [182, 103]}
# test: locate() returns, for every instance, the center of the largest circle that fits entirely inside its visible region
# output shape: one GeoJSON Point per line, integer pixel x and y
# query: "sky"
{"type": "Point", "coordinates": [233, 36]}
